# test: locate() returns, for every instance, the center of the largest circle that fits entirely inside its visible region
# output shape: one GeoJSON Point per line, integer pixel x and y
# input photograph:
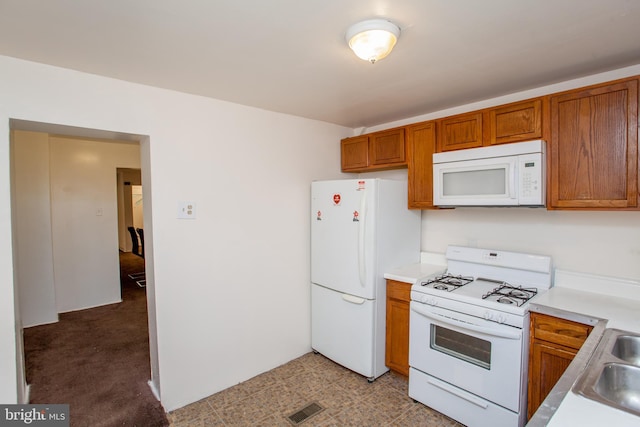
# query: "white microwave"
{"type": "Point", "coordinates": [500, 175]}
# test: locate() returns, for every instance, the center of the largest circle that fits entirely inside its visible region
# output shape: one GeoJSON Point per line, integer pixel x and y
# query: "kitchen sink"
{"type": "Point", "coordinates": [620, 384]}
{"type": "Point", "coordinates": [612, 376]}
{"type": "Point", "coordinates": [627, 348]}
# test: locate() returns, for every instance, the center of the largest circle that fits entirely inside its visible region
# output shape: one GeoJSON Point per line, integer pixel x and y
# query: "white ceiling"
{"type": "Point", "coordinates": [290, 55]}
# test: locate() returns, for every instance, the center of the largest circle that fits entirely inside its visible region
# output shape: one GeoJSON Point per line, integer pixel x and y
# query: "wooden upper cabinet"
{"type": "Point", "coordinates": [521, 121]}
{"type": "Point", "coordinates": [421, 144]}
{"type": "Point", "coordinates": [375, 151]}
{"type": "Point", "coordinates": [458, 132]}
{"type": "Point", "coordinates": [354, 153]}
{"type": "Point", "coordinates": [594, 147]}
{"type": "Point", "coordinates": [387, 148]}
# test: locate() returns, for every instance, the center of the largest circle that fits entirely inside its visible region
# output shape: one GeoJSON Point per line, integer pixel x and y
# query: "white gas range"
{"type": "Point", "coordinates": [469, 335]}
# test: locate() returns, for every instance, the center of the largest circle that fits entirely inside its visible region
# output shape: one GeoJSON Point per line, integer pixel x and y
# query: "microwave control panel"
{"type": "Point", "coordinates": [531, 179]}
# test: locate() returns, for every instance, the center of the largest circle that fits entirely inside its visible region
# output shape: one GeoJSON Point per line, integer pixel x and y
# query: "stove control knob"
{"type": "Point", "coordinates": [501, 318]}
{"type": "Point", "coordinates": [488, 315]}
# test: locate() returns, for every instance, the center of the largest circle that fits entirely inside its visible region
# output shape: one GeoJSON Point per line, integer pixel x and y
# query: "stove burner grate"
{"type": "Point", "coordinates": [447, 282]}
{"type": "Point", "coordinates": [509, 294]}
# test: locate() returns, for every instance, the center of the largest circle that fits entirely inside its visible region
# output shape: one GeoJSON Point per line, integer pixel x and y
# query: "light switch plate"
{"type": "Point", "coordinates": [186, 210]}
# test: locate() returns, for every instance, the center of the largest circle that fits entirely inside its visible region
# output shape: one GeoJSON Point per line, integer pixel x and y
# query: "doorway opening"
{"type": "Point", "coordinates": [131, 219]}
{"type": "Point", "coordinates": [77, 230]}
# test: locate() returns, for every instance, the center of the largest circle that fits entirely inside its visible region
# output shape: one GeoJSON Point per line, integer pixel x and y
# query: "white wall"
{"type": "Point", "coordinates": [229, 291]}
{"type": "Point", "coordinates": [34, 248]}
{"type": "Point", "coordinates": [84, 219]}
{"type": "Point", "coordinates": [606, 243]}
{"type": "Point", "coordinates": [11, 357]}
{"type": "Point", "coordinates": [137, 206]}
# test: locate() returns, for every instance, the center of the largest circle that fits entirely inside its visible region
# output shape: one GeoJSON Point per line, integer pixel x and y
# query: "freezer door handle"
{"type": "Point", "coordinates": [361, 240]}
{"type": "Point", "coordinates": [352, 299]}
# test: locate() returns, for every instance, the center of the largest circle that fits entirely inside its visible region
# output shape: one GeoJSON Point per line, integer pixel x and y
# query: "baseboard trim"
{"type": "Point", "coordinates": [27, 394]}
{"type": "Point", "coordinates": [154, 390]}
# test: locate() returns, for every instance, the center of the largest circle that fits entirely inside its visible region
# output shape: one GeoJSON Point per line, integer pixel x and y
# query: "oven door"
{"type": "Point", "coordinates": [479, 356]}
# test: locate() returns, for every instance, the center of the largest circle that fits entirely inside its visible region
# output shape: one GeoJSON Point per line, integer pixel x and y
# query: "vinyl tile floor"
{"type": "Point", "coordinates": [348, 399]}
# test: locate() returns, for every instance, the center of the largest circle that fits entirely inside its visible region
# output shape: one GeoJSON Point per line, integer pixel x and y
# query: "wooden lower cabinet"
{"type": "Point", "coordinates": [397, 340]}
{"type": "Point", "coordinates": [554, 342]}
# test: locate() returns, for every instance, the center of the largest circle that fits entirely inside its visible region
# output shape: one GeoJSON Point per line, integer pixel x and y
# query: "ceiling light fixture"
{"type": "Point", "coordinates": [372, 40]}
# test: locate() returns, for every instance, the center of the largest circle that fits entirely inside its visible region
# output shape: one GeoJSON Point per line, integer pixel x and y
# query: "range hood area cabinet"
{"type": "Point", "coordinates": [516, 122]}
{"type": "Point", "coordinates": [520, 121]}
{"type": "Point", "coordinates": [376, 151]}
{"type": "Point", "coordinates": [591, 135]}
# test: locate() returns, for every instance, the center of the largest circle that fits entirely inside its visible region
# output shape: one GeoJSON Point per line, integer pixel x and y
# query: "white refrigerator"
{"type": "Point", "coordinates": [360, 228]}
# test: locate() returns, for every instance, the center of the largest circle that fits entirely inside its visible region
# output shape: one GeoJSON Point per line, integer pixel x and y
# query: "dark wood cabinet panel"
{"type": "Point", "coordinates": [354, 153]}
{"type": "Point", "coordinates": [554, 343]}
{"type": "Point", "coordinates": [459, 132]}
{"type": "Point", "coordinates": [375, 151]}
{"type": "Point", "coordinates": [594, 147]}
{"type": "Point", "coordinates": [521, 121]}
{"type": "Point", "coordinates": [549, 363]}
{"type": "Point", "coordinates": [397, 324]}
{"type": "Point", "coordinates": [387, 147]}
{"type": "Point", "coordinates": [421, 144]}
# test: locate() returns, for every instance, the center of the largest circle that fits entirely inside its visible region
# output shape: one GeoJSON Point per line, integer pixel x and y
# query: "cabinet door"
{"type": "Point", "coordinates": [559, 331]}
{"type": "Point", "coordinates": [397, 338]}
{"type": "Point", "coordinates": [354, 153]}
{"type": "Point", "coordinates": [515, 122]}
{"type": "Point", "coordinates": [458, 132]}
{"type": "Point", "coordinates": [594, 147]}
{"type": "Point", "coordinates": [547, 364]}
{"type": "Point", "coordinates": [421, 144]}
{"type": "Point", "coordinates": [387, 148]}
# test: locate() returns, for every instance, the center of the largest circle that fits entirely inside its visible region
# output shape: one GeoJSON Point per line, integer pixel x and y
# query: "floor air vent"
{"type": "Point", "coordinates": [303, 414]}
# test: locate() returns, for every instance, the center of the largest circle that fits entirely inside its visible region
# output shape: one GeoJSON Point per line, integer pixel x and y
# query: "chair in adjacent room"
{"type": "Point", "coordinates": [134, 241]}
{"type": "Point", "coordinates": [141, 234]}
{"type": "Point", "coordinates": [139, 277]}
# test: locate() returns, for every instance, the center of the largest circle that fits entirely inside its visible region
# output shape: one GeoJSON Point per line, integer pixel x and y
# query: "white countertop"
{"type": "Point", "coordinates": [430, 264]}
{"type": "Point", "coordinates": [414, 273]}
{"type": "Point", "coordinates": [575, 298]}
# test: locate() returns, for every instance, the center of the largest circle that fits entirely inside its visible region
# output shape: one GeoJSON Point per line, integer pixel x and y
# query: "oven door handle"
{"type": "Point", "coordinates": [459, 393]}
{"type": "Point", "coordinates": [467, 326]}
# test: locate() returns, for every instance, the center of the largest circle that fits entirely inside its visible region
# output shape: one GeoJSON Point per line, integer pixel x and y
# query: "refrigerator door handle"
{"type": "Point", "coordinates": [361, 240]}
{"type": "Point", "coordinates": [352, 299]}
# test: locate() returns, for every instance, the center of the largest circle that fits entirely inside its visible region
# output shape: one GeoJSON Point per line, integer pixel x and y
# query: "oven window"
{"type": "Point", "coordinates": [462, 346]}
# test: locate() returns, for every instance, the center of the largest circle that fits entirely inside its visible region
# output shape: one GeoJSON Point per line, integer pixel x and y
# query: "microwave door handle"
{"type": "Point", "coordinates": [468, 326]}
{"type": "Point", "coordinates": [513, 172]}
{"type": "Point", "coordinates": [512, 179]}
